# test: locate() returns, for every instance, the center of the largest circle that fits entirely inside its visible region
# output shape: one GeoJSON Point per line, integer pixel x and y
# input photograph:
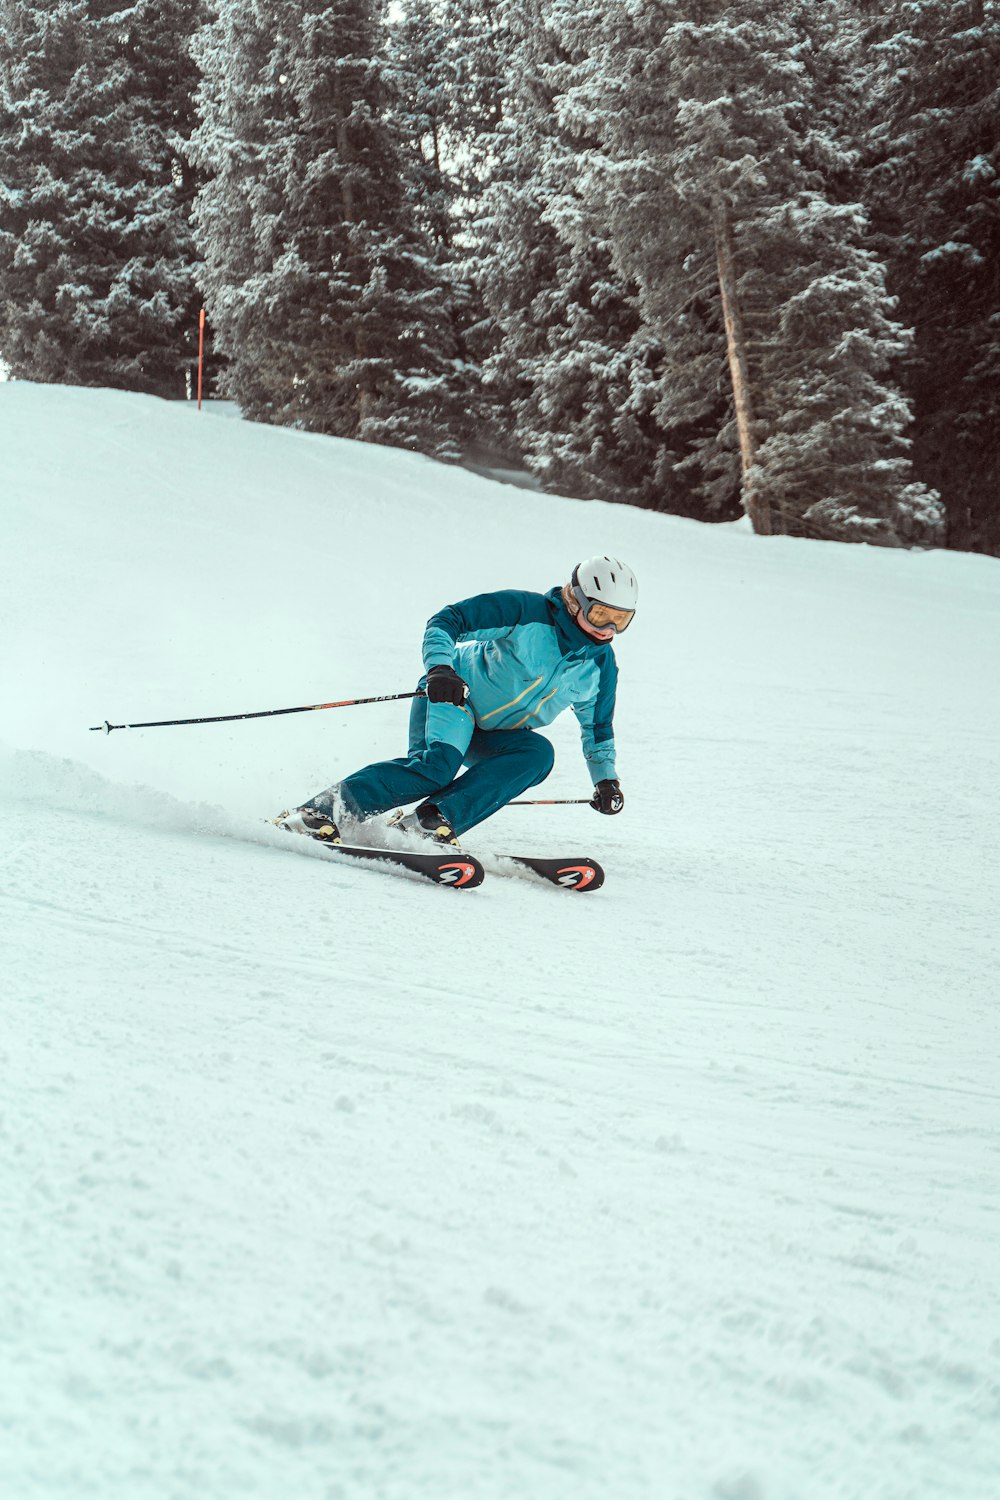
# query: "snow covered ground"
{"type": "Point", "coordinates": [322, 1182]}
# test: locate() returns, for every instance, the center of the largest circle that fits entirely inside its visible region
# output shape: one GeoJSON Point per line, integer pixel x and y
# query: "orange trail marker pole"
{"type": "Point", "coordinates": [201, 351]}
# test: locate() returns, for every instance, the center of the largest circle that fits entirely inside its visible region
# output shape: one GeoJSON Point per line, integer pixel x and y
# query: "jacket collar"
{"type": "Point", "coordinates": [571, 638]}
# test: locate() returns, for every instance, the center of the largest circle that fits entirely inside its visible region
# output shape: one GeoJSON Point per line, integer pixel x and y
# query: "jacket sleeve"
{"type": "Point", "coordinates": [483, 616]}
{"type": "Point", "coordinates": [596, 717]}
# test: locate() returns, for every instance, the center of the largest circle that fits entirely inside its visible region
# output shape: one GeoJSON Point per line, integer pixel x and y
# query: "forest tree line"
{"type": "Point", "coordinates": [700, 257]}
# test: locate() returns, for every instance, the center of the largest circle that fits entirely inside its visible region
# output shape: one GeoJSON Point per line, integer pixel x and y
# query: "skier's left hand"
{"type": "Point", "coordinates": [608, 798]}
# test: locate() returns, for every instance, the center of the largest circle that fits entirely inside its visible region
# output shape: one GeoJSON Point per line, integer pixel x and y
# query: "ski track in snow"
{"type": "Point", "coordinates": [328, 1183]}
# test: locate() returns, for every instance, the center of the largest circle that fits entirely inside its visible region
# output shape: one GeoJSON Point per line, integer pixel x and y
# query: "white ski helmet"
{"type": "Point", "coordinates": [606, 592]}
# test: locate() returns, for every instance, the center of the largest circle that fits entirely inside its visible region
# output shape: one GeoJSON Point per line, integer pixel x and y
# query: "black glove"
{"type": "Point", "coordinates": [608, 798]}
{"type": "Point", "coordinates": [445, 686]}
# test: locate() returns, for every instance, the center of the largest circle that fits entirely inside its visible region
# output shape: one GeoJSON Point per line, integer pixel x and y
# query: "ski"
{"type": "Point", "coordinates": [576, 874]}
{"type": "Point", "coordinates": [441, 864]}
{"type": "Point", "coordinates": [451, 867]}
{"type": "Point", "coordinates": [445, 865]}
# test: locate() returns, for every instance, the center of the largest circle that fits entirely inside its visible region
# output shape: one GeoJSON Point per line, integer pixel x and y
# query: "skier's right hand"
{"type": "Point", "coordinates": [445, 686]}
{"type": "Point", "coordinates": [608, 798]}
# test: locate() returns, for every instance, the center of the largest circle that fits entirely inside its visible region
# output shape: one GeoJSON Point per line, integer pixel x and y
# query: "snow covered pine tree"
{"type": "Point", "coordinates": [933, 179]}
{"type": "Point", "coordinates": [715, 165]}
{"type": "Point", "coordinates": [321, 288]}
{"type": "Point", "coordinates": [97, 258]}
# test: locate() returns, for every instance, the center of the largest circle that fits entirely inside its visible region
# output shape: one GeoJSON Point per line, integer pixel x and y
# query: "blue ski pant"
{"type": "Point", "coordinates": [501, 764]}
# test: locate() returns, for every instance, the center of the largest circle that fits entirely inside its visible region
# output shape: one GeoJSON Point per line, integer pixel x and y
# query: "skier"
{"type": "Point", "coordinates": [498, 666]}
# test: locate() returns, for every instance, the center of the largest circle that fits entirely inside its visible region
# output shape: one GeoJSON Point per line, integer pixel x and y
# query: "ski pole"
{"type": "Point", "coordinates": [552, 802]}
{"type": "Point", "coordinates": [266, 713]}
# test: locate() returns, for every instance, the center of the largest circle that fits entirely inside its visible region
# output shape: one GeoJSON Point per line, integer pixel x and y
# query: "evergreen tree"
{"type": "Point", "coordinates": [934, 183]}
{"type": "Point", "coordinates": [581, 369]}
{"type": "Point", "coordinates": [446, 57]}
{"type": "Point", "coordinates": [434, 113]}
{"type": "Point", "coordinates": [717, 154]}
{"type": "Point", "coordinates": [96, 258]}
{"type": "Point", "coordinates": [320, 286]}
{"type": "Point", "coordinates": [161, 86]}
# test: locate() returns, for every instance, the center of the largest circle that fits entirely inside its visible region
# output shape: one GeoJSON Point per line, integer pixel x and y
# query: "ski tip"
{"type": "Point", "coordinates": [570, 874]}
{"type": "Point", "coordinates": [462, 873]}
{"type": "Point", "coordinates": [580, 875]}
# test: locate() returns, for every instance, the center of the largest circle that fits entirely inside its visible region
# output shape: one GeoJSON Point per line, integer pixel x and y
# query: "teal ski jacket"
{"type": "Point", "coordinates": [525, 660]}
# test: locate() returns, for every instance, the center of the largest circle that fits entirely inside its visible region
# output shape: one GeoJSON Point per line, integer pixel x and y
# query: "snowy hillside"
{"type": "Point", "coordinates": [320, 1182]}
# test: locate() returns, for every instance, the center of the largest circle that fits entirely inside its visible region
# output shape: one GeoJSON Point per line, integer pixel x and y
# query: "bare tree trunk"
{"type": "Point", "coordinates": [755, 503]}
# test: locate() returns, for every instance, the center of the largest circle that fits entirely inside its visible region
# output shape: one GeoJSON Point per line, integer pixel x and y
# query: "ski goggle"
{"type": "Point", "coordinates": [601, 616]}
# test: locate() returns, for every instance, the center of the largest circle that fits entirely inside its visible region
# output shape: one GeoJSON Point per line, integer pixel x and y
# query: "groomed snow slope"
{"type": "Point", "coordinates": [322, 1183]}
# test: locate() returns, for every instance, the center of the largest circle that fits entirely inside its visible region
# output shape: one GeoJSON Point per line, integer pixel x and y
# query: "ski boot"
{"type": "Point", "coordinates": [426, 822]}
{"type": "Point", "coordinates": [317, 825]}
